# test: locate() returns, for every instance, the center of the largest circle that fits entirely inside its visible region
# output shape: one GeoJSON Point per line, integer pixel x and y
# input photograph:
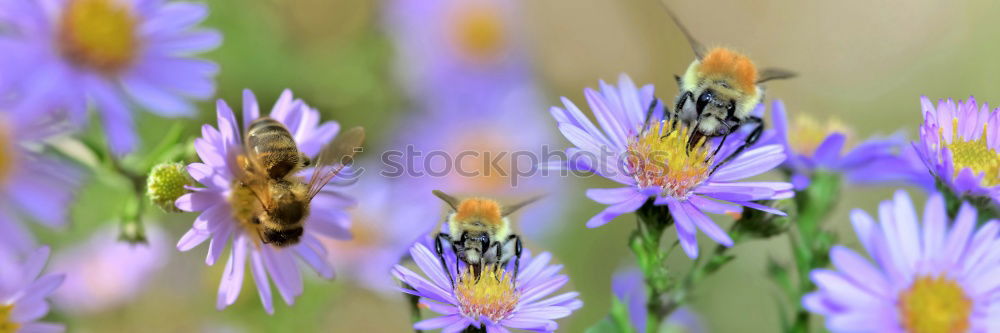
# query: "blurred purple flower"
{"type": "Point", "coordinates": [23, 293]}
{"type": "Point", "coordinates": [33, 185]}
{"type": "Point", "coordinates": [811, 146]}
{"type": "Point", "coordinates": [459, 53]}
{"type": "Point", "coordinates": [932, 276]}
{"type": "Point", "coordinates": [62, 54]}
{"type": "Point", "coordinates": [328, 217]}
{"type": "Point", "coordinates": [960, 144]}
{"type": "Point", "coordinates": [656, 163]}
{"type": "Point", "coordinates": [493, 302]}
{"type": "Point", "coordinates": [384, 227]}
{"type": "Point", "coordinates": [628, 287]}
{"type": "Point", "coordinates": [104, 273]}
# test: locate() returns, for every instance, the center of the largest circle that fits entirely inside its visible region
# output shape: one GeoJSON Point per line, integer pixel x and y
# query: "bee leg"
{"type": "Point", "coordinates": [304, 160]}
{"type": "Point", "coordinates": [729, 130]}
{"type": "Point", "coordinates": [751, 140]}
{"type": "Point", "coordinates": [440, 252]}
{"type": "Point", "coordinates": [681, 101]}
{"type": "Point", "coordinates": [517, 257]}
{"type": "Point", "coordinates": [499, 254]}
{"type": "Point", "coordinates": [485, 246]}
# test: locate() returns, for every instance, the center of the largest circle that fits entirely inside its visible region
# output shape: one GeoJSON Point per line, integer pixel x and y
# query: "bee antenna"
{"type": "Point", "coordinates": [450, 200]}
{"type": "Point", "coordinates": [507, 210]}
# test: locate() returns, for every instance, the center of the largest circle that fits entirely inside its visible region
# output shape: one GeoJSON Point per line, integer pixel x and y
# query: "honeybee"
{"type": "Point", "coordinates": [480, 234]}
{"type": "Point", "coordinates": [719, 92]}
{"type": "Point", "coordinates": [271, 198]}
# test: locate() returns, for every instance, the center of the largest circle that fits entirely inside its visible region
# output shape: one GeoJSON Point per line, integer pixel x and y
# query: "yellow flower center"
{"type": "Point", "coordinates": [975, 155]}
{"type": "Point", "coordinates": [478, 31]}
{"type": "Point", "coordinates": [6, 324]}
{"type": "Point", "coordinates": [492, 295]}
{"type": "Point", "coordinates": [7, 153]}
{"type": "Point", "coordinates": [806, 134]}
{"type": "Point", "coordinates": [935, 305]}
{"type": "Point", "coordinates": [662, 157]}
{"type": "Point", "coordinates": [98, 34]}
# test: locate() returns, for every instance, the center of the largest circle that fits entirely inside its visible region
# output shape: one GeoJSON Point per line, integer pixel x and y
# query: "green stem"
{"type": "Point", "coordinates": [645, 243]}
{"type": "Point", "coordinates": [813, 205]}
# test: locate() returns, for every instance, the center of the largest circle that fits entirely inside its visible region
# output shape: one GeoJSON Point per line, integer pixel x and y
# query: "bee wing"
{"type": "Point", "coordinates": [513, 208]}
{"type": "Point", "coordinates": [697, 47]}
{"type": "Point", "coordinates": [334, 157]}
{"type": "Point", "coordinates": [771, 73]}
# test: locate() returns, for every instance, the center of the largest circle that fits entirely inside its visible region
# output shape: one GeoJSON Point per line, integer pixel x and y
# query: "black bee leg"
{"type": "Point", "coordinates": [750, 141]}
{"type": "Point", "coordinates": [681, 101]}
{"type": "Point", "coordinates": [499, 254]}
{"type": "Point", "coordinates": [440, 252]}
{"type": "Point", "coordinates": [648, 122]}
{"type": "Point", "coordinates": [485, 246]}
{"type": "Point", "coordinates": [729, 130]}
{"type": "Point", "coordinates": [517, 257]}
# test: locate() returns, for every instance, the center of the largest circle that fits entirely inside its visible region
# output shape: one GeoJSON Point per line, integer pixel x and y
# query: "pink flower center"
{"type": "Point", "coordinates": [492, 295]}
{"type": "Point", "coordinates": [98, 34]}
{"type": "Point", "coordinates": [661, 157]}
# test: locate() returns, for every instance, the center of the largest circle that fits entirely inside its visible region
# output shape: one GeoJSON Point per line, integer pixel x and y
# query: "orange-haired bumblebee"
{"type": "Point", "coordinates": [480, 234]}
{"type": "Point", "coordinates": [719, 91]}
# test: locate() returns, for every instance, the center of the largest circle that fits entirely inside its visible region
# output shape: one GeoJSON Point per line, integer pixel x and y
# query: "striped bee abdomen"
{"type": "Point", "coordinates": [274, 147]}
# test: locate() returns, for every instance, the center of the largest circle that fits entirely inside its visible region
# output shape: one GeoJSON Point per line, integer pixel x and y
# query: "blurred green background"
{"type": "Point", "coordinates": [866, 63]}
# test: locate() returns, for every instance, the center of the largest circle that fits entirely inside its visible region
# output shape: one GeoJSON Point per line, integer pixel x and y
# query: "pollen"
{"type": "Point", "coordinates": [806, 134]}
{"type": "Point", "coordinates": [662, 157]}
{"type": "Point", "coordinates": [485, 210]}
{"type": "Point", "coordinates": [7, 325]}
{"type": "Point", "coordinates": [976, 155]}
{"type": "Point", "coordinates": [934, 305]}
{"type": "Point", "coordinates": [492, 295]}
{"type": "Point", "coordinates": [725, 64]}
{"type": "Point", "coordinates": [478, 32]}
{"type": "Point", "coordinates": [98, 35]}
{"type": "Point", "coordinates": [8, 153]}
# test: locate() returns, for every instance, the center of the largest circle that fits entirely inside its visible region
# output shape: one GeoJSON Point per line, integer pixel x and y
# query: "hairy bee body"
{"type": "Point", "coordinates": [274, 147]}
{"type": "Point", "coordinates": [275, 151]}
{"type": "Point", "coordinates": [718, 92]}
{"type": "Point", "coordinates": [480, 233]}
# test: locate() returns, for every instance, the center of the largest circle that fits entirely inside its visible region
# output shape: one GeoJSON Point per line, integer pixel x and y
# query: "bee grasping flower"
{"type": "Point", "coordinates": [960, 144]}
{"type": "Point", "coordinates": [658, 161]}
{"type": "Point", "coordinates": [23, 293]}
{"type": "Point", "coordinates": [494, 301]}
{"type": "Point", "coordinates": [938, 275]}
{"type": "Point", "coordinates": [62, 54]}
{"type": "Point", "coordinates": [223, 204]}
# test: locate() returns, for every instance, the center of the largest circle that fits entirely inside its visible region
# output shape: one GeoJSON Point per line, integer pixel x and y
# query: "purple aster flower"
{"type": "Point", "coordinates": [627, 285]}
{"type": "Point", "coordinates": [653, 159]}
{"type": "Point", "coordinates": [494, 301]}
{"type": "Point", "coordinates": [458, 51]}
{"type": "Point", "coordinates": [385, 226]}
{"type": "Point", "coordinates": [813, 146]}
{"type": "Point", "coordinates": [218, 221]}
{"type": "Point", "coordinates": [103, 273]}
{"type": "Point", "coordinates": [33, 186]}
{"type": "Point", "coordinates": [937, 275]}
{"type": "Point", "coordinates": [62, 54]}
{"type": "Point", "coordinates": [960, 144]}
{"type": "Point", "coordinates": [23, 293]}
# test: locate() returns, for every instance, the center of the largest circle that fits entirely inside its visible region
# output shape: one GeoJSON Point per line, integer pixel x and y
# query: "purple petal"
{"type": "Point", "coordinates": [608, 214]}
{"type": "Point", "coordinates": [261, 280]}
{"type": "Point", "coordinates": [828, 151]}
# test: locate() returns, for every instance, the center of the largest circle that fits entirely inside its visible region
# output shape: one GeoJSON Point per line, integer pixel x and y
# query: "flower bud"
{"type": "Point", "coordinates": [166, 183]}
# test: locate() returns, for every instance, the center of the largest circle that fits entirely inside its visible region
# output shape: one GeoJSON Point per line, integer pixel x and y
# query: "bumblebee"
{"type": "Point", "coordinates": [480, 234]}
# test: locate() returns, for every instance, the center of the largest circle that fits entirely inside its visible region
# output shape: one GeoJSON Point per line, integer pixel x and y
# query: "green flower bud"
{"type": "Point", "coordinates": [166, 183]}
